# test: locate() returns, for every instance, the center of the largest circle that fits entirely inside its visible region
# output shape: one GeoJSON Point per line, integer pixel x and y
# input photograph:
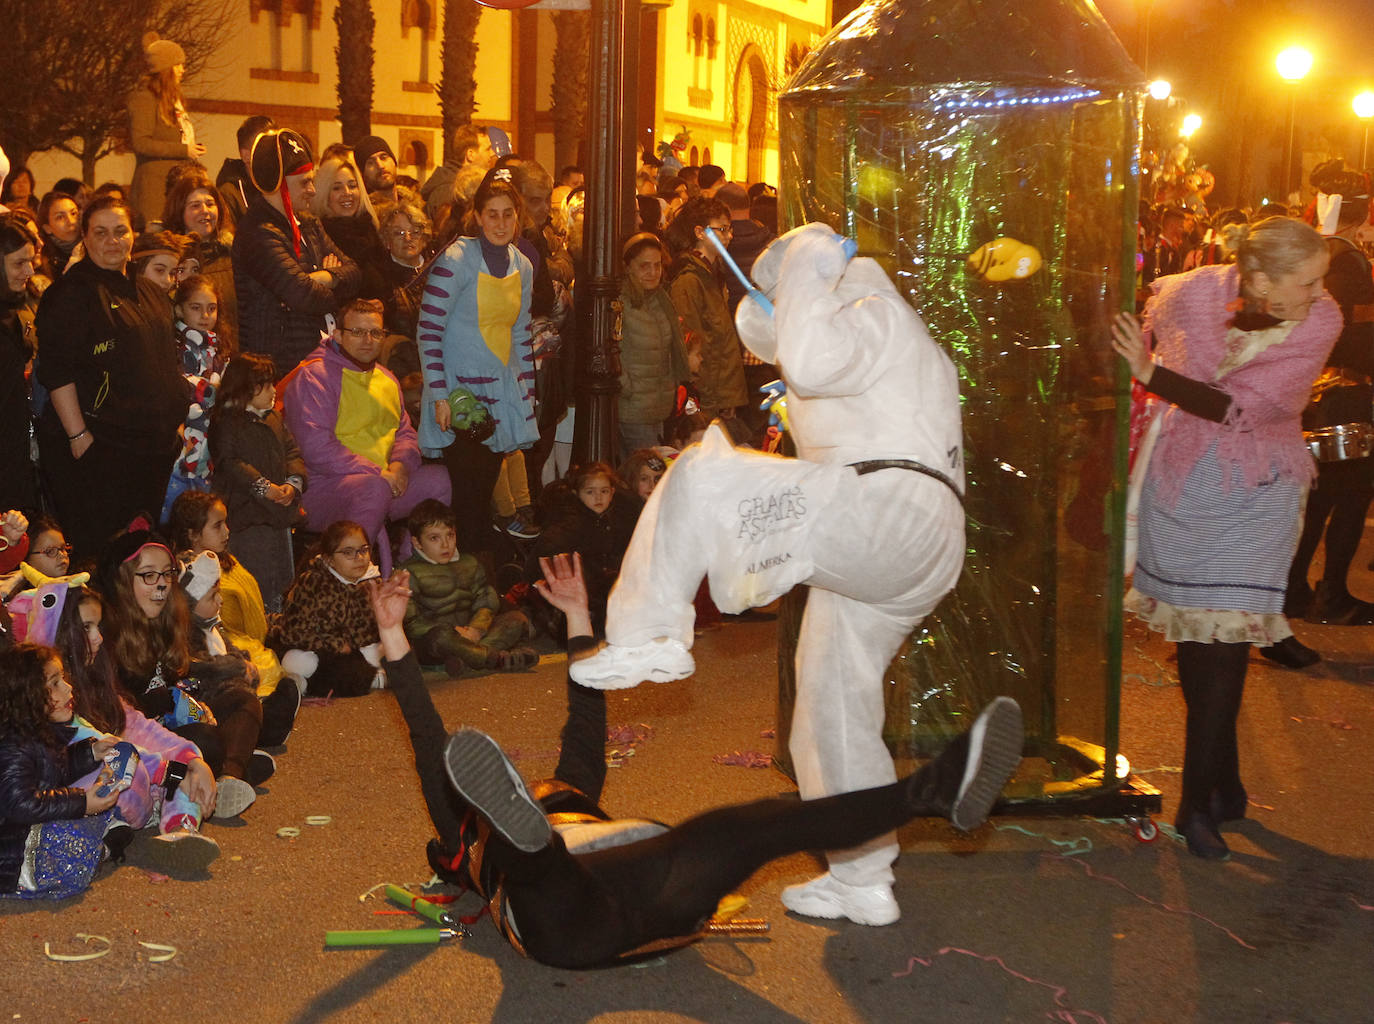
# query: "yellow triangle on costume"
{"type": "Point", "coordinates": [498, 308]}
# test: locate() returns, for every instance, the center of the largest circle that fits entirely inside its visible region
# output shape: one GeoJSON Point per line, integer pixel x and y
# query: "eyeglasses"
{"type": "Point", "coordinates": [152, 579]}
{"type": "Point", "coordinates": [726, 230]}
{"type": "Point", "coordinates": [376, 334]}
{"type": "Point", "coordinates": [55, 551]}
{"type": "Point", "coordinates": [358, 552]}
{"type": "Point", "coordinates": [403, 233]}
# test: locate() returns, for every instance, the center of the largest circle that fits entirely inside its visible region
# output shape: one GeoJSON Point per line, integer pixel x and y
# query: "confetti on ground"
{"type": "Point", "coordinates": [744, 759]}
{"type": "Point", "coordinates": [156, 878]}
{"type": "Point", "coordinates": [1335, 723]}
{"type": "Point", "coordinates": [1065, 1014]}
{"type": "Point", "coordinates": [164, 953]}
{"type": "Point", "coordinates": [70, 958]}
{"type": "Point", "coordinates": [1055, 858]}
{"type": "Point", "coordinates": [1362, 906]}
{"type": "Point", "coordinates": [769, 734]}
{"type": "Point", "coordinates": [623, 740]}
{"type": "Point", "coordinates": [1069, 847]}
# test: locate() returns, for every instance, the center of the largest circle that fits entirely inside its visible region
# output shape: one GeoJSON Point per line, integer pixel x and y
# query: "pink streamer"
{"type": "Point", "coordinates": [1145, 899]}
{"type": "Point", "coordinates": [1064, 1014]}
{"type": "Point", "coordinates": [1362, 906]}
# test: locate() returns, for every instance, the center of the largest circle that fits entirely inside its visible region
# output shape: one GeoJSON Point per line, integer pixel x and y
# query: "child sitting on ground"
{"type": "Point", "coordinates": [51, 834]}
{"type": "Point", "coordinates": [215, 658]}
{"type": "Point", "coordinates": [454, 617]}
{"type": "Point", "coordinates": [199, 523]}
{"type": "Point", "coordinates": [172, 786]}
{"type": "Point", "coordinates": [326, 631]}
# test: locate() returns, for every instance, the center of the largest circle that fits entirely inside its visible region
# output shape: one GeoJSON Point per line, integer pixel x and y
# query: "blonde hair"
{"type": "Point", "coordinates": [1274, 246]}
{"type": "Point", "coordinates": [329, 171]}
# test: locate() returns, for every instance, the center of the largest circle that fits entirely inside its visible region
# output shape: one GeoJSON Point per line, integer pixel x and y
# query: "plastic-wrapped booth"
{"type": "Point", "coordinates": [926, 129]}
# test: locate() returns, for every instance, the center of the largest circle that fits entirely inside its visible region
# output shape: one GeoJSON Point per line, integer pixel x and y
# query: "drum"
{"type": "Point", "coordinates": [1341, 442]}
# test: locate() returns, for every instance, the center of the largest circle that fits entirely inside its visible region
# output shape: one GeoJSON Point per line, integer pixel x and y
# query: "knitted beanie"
{"type": "Point", "coordinates": [162, 54]}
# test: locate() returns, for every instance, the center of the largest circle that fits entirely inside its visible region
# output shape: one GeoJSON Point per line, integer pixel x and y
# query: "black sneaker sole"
{"type": "Point", "coordinates": [996, 749]}
{"type": "Point", "coordinates": [482, 776]}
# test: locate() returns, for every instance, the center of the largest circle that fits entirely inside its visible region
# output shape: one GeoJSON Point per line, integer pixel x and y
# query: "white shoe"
{"type": "Point", "coordinates": [618, 668]}
{"type": "Point", "coordinates": [827, 896]}
{"type": "Point", "coordinates": [234, 797]}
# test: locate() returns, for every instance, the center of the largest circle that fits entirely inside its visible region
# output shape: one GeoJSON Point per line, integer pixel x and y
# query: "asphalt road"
{"type": "Point", "coordinates": [1034, 919]}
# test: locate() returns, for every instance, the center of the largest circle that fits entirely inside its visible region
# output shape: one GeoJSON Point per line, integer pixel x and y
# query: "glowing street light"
{"type": "Point", "coordinates": [1191, 123]}
{"type": "Point", "coordinates": [1160, 89]}
{"type": "Point", "coordinates": [1363, 105]}
{"type": "Point", "coordinates": [1292, 64]}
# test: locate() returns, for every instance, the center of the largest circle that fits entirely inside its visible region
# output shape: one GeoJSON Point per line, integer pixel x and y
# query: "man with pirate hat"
{"type": "Point", "coordinates": [290, 277]}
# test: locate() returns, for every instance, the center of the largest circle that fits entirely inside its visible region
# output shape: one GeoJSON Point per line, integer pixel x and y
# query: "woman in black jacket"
{"type": "Point", "coordinates": [288, 274]}
{"type": "Point", "coordinates": [342, 205]}
{"type": "Point", "coordinates": [18, 247]}
{"type": "Point", "coordinates": [108, 435]}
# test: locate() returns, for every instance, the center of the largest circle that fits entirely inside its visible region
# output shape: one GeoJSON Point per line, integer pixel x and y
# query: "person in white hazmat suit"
{"type": "Point", "coordinates": [870, 516]}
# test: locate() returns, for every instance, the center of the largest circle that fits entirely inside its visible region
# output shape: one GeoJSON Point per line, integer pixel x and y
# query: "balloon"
{"type": "Point", "coordinates": [1005, 259]}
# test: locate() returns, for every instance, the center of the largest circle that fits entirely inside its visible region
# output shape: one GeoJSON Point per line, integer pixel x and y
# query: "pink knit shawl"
{"type": "Point", "coordinates": [1190, 315]}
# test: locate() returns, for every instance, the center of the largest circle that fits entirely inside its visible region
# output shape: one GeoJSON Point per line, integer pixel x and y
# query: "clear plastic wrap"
{"type": "Point", "coordinates": [925, 130]}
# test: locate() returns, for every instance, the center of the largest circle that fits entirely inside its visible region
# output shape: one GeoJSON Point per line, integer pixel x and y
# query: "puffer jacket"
{"type": "Point", "coordinates": [699, 298]}
{"type": "Point", "coordinates": [281, 309]}
{"type": "Point", "coordinates": [35, 788]}
{"type": "Point", "coordinates": [653, 356]}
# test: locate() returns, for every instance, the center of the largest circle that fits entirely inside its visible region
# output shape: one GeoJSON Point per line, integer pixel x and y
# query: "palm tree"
{"type": "Point", "coordinates": [572, 56]}
{"type": "Point", "coordinates": [458, 52]}
{"type": "Point", "coordinates": [354, 56]}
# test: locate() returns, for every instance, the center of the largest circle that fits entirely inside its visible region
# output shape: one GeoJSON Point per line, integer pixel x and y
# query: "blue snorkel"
{"type": "Point", "coordinates": [850, 247]}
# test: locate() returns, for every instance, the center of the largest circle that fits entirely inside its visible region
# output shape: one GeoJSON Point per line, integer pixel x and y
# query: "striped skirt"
{"type": "Point", "coordinates": [1215, 566]}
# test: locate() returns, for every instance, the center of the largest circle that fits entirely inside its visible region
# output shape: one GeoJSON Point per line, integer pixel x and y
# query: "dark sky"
{"type": "Point", "coordinates": [1338, 32]}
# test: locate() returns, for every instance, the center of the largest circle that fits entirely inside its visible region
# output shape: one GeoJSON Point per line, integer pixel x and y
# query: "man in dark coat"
{"type": "Point", "coordinates": [290, 277]}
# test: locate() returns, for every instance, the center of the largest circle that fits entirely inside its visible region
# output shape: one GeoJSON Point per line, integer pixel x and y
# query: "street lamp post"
{"type": "Point", "coordinates": [1191, 123]}
{"type": "Point", "coordinates": [1293, 64]}
{"type": "Point", "coordinates": [1364, 110]}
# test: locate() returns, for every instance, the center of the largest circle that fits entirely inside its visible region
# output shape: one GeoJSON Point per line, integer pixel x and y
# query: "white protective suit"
{"type": "Point", "coordinates": [879, 550]}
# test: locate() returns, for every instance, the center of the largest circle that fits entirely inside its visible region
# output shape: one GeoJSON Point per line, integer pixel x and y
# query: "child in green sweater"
{"type": "Point", "coordinates": [454, 617]}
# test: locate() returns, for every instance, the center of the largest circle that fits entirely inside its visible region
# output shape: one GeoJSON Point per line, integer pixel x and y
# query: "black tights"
{"type": "Point", "coordinates": [1213, 681]}
{"type": "Point", "coordinates": [1336, 507]}
{"type": "Point", "coordinates": [587, 910]}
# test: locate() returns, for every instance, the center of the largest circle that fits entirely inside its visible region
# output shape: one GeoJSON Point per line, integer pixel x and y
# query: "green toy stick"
{"type": "Point", "coordinates": [384, 937]}
{"type": "Point", "coordinates": [421, 906]}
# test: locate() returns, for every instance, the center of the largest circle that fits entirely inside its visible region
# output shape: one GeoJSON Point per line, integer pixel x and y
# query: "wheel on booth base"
{"type": "Point", "coordinates": [1145, 829]}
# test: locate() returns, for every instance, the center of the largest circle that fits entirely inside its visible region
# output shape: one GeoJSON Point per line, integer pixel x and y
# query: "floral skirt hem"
{"type": "Point", "coordinates": [1208, 625]}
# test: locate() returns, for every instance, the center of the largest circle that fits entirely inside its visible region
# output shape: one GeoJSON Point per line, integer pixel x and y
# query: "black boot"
{"type": "Point", "coordinates": [1199, 831]}
{"type": "Point", "coordinates": [1290, 652]}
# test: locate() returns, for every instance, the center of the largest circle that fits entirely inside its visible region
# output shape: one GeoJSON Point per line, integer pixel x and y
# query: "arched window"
{"type": "Point", "coordinates": [693, 157]}
{"type": "Point", "coordinates": [695, 41]}
{"type": "Point", "coordinates": [710, 39]}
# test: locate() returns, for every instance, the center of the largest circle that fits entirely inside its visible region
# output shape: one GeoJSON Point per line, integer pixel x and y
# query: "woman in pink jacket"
{"type": "Point", "coordinates": [1221, 477]}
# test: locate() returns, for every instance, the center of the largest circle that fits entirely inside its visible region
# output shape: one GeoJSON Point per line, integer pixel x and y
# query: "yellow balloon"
{"type": "Point", "coordinates": [1005, 259]}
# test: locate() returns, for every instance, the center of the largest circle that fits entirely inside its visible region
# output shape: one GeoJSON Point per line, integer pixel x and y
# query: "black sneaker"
{"type": "Point", "coordinates": [261, 768]}
{"type": "Point", "coordinates": [967, 777]}
{"type": "Point", "coordinates": [117, 839]}
{"type": "Point", "coordinates": [279, 709]}
{"type": "Point", "coordinates": [486, 779]}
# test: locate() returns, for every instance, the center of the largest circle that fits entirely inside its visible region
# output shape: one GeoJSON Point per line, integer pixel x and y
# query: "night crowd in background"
{"type": "Point", "coordinates": [233, 397]}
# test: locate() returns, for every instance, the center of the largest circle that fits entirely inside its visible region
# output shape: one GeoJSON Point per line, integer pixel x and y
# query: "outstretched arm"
{"type": "Point", "coordinates": [564, 588]}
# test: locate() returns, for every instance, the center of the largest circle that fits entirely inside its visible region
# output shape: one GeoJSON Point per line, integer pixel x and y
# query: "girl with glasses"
{"type": "Point", "coordinates": [326, 631]}
{"type": "Point", "coordinates": [147, 629]}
